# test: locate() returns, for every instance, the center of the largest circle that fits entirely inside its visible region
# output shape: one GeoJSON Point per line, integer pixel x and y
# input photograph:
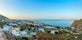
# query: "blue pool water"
{"type": "Point", "coordinates": [61, 23]}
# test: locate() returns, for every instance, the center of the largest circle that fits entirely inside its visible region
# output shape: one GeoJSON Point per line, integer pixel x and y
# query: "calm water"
{"type": "Point", "coordinates": [61, 23]}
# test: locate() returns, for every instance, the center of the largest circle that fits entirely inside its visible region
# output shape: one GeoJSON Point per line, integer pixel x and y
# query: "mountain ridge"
{"type": "Point", "coordinates": [4, 18]}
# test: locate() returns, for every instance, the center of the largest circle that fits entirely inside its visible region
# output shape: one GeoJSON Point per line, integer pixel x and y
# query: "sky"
{"type": "Point", "coordinates": [41, 9]}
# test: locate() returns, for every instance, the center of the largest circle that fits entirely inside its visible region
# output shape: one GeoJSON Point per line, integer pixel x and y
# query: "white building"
{"type": "Point", "coordinates": [54, 31]}
{"type": "Point", "coordinates": [72, 28]}
{"type": "Point", "coordinates": [49, 27]}
{"type": "Point", "coordinates": [13, 24]}
{"type": "Point", "coordinates": [15, 29]}
{"type": "Point", "coordinates": [41, 29]}
{"type": "Point", "coordinates": [25, 34]}
{"type": "Point", "coordinates": [21, 22]}
{"type": "Point", "coordinates": [16, 33]}
{"type": "Point", "coordinates": [33, 33]}
{"type": "Point", "coordinates": [2, 20]}
{"type": "Point", "coordinates": [7, 28]}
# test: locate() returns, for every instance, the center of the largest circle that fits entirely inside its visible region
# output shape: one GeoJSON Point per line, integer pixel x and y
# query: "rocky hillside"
{"type": "Point", "coordinates": [4, 18]}
{"type": "Point", "coordinates": [78, 25]}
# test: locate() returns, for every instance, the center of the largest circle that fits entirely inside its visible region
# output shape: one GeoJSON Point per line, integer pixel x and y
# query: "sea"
{"type": "Point", "coordinates": [60, 23]}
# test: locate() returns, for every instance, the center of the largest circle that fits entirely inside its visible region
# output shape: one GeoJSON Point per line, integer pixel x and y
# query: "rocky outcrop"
{"type": "Point", "coordinates": [78, 25]}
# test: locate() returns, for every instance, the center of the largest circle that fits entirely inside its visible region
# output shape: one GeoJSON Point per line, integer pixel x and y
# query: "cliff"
{"type": "Point", "coordinates": [78, 25]}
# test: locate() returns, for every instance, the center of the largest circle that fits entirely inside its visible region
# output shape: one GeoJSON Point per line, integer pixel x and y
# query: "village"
{"type": "Point", "coordinates": [34, 30]}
